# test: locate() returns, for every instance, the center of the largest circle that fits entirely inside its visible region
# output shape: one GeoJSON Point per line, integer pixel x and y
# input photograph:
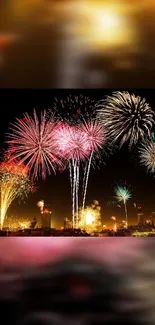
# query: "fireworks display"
{"type": "Point", "coordinates": [125, 117]}
{"type": "Point", "coordinates": [80, 138]}
{"type": "Point", "coordinates": [31, 141]}
{"type": "Point", "coordinates": [147, 155]}
{"type": "Point", "coordinates": [73, 107]}
{"type": "Point", "coordinates": [123, 195]}
{"type": "Point", "coordinates": [73, 144]}
{"type": "Point", "coordinates": [74, 135]}
{"type": "Point", "coordinates": [96, 139]}
{"type": "Point", "coordinates": [40, 205]}
{"type": "Point", "coordinates": [14, 183]}
{"type": "Point", "coordinates": [79, 150]}
{"type": "Point", "coordinates": [78, 146]}
{"type": "Point", "coordinates": [90, 218]}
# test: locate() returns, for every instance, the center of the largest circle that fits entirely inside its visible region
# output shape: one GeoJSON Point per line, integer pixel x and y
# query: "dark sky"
{"type": "Point", "coordinates": [121, 166]}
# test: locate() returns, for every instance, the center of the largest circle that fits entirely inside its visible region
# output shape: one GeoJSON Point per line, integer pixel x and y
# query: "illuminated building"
{"type": "Point", "coordinates": [140, 216]}
{"type": "Point", "coordinates": [46, 218]}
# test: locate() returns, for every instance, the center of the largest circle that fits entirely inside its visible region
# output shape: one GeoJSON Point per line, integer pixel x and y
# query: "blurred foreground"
{"type": "Point", "coordinates": [77, 43]}
{"type": "Point", "coordinates": [82, 281]}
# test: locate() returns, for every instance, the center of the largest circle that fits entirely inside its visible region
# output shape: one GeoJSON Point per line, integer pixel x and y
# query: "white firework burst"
{"type": "Point", "coordinates": [147, 155]}
{"type": "Point", "coordinates": [126, 117]}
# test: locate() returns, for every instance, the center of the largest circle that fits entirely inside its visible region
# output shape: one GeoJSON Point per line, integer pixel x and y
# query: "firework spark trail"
{"type": "Point", "coordinates": [74, 138]}
{"type": "Point", "coordinates": [96, 139]}
{"type": "Point", "coordinates": [73, 144]}
{"type": "Point", "coordinates": [79, 149]}
{"type": "Point", "coordinates": [77, 195]}
{"type": "Point", "coordinates": [84, 178]}
{"type": "Point", "coordinates": [126, 213]}
{"type": "Point", "coordinates": [32, 141]}
{"type": "Point", "coordinates": [86, 181]}
{"type": "Point", "coordinates": [73, 193]}
{"type": "Point", "coordinates": [123, 195]}
{"type": "Point", "coordinates": [71, 177]}
{"type": "Point", "coordinates": [125, 117]}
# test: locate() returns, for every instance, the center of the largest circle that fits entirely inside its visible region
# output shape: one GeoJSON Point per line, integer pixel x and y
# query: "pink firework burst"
{"type": "Point", "coordinates": [95, 134]}
{"type": "Point", "coordinates": [72, 142]}
{"type": "Point", "coordinates": [79, 148]}
{"type": "Point", "coordinates": [62, 138]}
{"type": "Point", "coordinates": [32, 141]}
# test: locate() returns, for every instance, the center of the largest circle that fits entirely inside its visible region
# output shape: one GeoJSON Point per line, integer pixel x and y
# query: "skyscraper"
{"type": "Point", "coordinates": [46, 218]}
{"type": "Point", "coordinates": [140, 216]}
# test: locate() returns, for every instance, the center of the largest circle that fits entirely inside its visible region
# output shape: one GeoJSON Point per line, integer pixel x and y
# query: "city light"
{"type": "Point", "coordinates": [13, 223]}
{"type": "Point", "coordinates": [25, 225]}
{"type": "Point", "coordinates": [115, 227]}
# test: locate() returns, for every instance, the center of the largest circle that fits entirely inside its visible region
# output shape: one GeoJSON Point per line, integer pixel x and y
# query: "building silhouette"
{"type": "Point", "coordinates": [140, 216]}
{"type": "Point", "coordinates": [46, 218]}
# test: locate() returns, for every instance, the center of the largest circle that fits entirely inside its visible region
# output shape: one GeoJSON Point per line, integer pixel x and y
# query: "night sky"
{"type": "Point", "coordinates": [55, 190]}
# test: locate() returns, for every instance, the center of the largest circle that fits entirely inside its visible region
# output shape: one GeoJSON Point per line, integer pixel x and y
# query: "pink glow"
{"type": "Point", "coordinates": [36, 251]}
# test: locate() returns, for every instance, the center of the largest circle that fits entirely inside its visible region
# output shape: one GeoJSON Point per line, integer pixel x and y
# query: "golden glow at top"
{"type": "Point", "coordinates": [109, 28]}
{"type": "Point", "coordinates": [108, 20]}
{"type": "Point", "coordinates": [100, 24]}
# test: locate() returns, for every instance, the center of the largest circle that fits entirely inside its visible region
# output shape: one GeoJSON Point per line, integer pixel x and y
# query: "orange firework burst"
{"type": "Point", "coordinates": [15, 168]}
{"type": "Point", "coordinates": [14, 183]}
